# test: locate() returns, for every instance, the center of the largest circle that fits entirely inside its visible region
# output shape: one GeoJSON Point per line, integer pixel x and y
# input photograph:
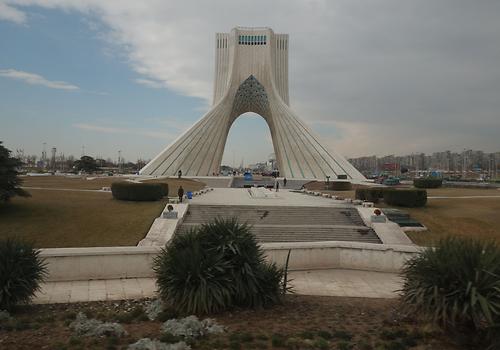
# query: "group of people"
{"type": "Point", "coordinates": [277, 184]}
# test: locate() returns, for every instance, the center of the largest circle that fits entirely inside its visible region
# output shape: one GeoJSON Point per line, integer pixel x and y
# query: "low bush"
{"type": "Point", "coordinates": [371, 194]}
{"type": "Point", "coordinates": [427, 182]}
{"type": "Point", "coordinates": [340, 186]}
{"type": "Point", "coordinates": [215, 267]}
{"type": "Point", "coordinates": [164, 185]}
{"type": "Point", "coordinates": [134, 191]}
{"type": "Point", "coordinates": [405, 197]}
{"type": "Point", "coordinates": [456, 284]}
{"type": "Point", "coordinates": [21, 272]}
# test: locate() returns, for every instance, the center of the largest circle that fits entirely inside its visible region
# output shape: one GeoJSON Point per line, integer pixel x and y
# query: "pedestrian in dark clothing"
{"type": "Point", "coordinates": [277, 186]}
{"type": "Point", "coordinates": [179, 174]}
{"type": "Point", "coordinates": [180, 193]}
{"type": "Point", "coordinates": [284, 182]}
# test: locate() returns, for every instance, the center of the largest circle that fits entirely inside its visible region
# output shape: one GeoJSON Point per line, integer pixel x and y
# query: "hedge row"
{"type": "Point", "coordinates": [371, 194]}
{"type": "Point", "coordinates": [427, 182]}
{"type": "Point", "coordinates": [133, 191]}
{"type": "Point", "coordinates": [400, 197]}
{"type": "Point", "coordinates": [340, 186]}
{"type": "Point", "coordinates": [405, 197]}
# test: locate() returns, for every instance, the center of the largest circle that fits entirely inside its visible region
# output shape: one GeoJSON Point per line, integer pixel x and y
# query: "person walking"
{"type": "Point", "coordinates": [180, 193]}
{"type": "Point", "coordinates": [284, 182]}
{"type": "Point", "coordinates": [179, 174]}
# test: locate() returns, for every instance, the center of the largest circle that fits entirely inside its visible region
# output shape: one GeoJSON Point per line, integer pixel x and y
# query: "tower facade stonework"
{"type": "Point", "coordinates": [251, 75]}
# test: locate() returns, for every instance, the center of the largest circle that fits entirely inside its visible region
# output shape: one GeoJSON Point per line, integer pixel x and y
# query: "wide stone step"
{"type": "Point", "coordinates": [306, 233]}
{"type": "Point", "coordinates": [288, 224]}
{"type": "Point", "coordinates": [275, 215]}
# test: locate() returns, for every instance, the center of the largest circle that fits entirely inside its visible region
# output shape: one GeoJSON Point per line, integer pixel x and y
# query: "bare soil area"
{"type": "Point", "coordinates": [302, 322]}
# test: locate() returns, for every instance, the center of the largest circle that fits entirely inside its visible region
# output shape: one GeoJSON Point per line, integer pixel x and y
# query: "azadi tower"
{"type": "Point", "coordinates": [251, 75]}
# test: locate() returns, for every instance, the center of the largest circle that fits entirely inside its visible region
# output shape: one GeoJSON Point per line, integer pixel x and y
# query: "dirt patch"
{"type": "Point", "coordinates": [301, 322]}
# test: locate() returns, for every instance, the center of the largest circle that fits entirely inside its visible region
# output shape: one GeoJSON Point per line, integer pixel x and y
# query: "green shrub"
{"type": "Point", "coordinates": [340, 186]}
{"type": "Point", "coordinates": [405, 197]}
{"type": "Point", "coordinates": [21, 272]}
{"type": "Point", "coordinates": [457, 283]}
{"type": "Point", "coordinates": [164, 186]}
{"type": "Point", "coordinates": [371, 194]}
{"type": "Point", "coordinates": [134, 191]}
{"type": "Point", "coordinates": [427, 182]}
{"type": "Point", "coordinates": [215, 267]}
{"type": "Point", "coordinates": [278, 340]}
{"type": "Point", "coordinates": [192, 279]}
{"type": "Point", "coordinates": [321, 343]}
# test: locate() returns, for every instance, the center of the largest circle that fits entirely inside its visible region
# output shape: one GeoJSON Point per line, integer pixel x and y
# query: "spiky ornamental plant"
{"type": "Point", "coordinates": [238, 246]}
{"type": "Point", "coordinates": [457, 283]}
{"type": "Point", "coordinates": [215, 267]}
{"type": "Point", "coordinates": [192, 279]}
{"type": "Point", "coordinates": [21, 272]}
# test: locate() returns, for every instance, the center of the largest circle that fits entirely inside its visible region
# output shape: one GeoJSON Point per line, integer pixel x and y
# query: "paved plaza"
{"type": "Point", "coordinates": [333, 282]}
{"type": "Point", "coordinates": [242, 196]}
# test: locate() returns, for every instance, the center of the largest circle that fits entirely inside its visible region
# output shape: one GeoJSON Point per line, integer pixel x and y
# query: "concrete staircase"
{"type": "Point", "coordinates": [288, 224]}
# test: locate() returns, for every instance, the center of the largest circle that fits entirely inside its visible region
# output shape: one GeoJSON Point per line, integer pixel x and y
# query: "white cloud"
{"type": "Point", "coordinates": [130, 131]}
{"type": "Point", "coordinates": [9, 13]}
{"type": "Point", "coordinates": [425, 65]}
{"type": "Point", "coordinates": [150, 83]}
{"type": "Point", "coordinates": [36, 79]}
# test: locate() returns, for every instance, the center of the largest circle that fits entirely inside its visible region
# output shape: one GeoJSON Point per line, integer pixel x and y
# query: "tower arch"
{"type": "Point", "coordinates": [251, 75]}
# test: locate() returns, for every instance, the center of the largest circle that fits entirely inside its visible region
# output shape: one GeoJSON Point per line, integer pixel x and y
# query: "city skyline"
{"type": "Point", "coordinates": [132, 77]}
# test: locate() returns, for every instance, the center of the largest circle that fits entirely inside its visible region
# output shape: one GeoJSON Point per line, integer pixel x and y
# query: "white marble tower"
{"type": "Point", "coordinates": [251, 75]}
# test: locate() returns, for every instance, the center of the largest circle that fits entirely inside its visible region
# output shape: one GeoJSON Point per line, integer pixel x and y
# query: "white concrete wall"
{"type": "Point", "coordinates": [67, 264]}
{"type": "Point", "coordinates": [344, 255]}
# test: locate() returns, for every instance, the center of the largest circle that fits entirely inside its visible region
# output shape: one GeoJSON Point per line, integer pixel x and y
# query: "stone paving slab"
{"type": "Point", "coordinates": [331, 282]}
{"type": "Point", "coordinates": [240, 196]}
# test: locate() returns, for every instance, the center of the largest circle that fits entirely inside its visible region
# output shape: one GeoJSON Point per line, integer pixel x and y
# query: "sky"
{"type": "Point", "coordinates": [370, 77]}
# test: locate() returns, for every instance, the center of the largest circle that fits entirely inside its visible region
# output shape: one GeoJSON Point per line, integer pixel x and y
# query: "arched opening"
{"type": "Point", "coordinates": [248, 142]}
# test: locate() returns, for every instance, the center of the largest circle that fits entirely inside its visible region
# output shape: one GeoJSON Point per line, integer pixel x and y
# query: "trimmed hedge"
{"type": "Point", "coordinates": [427, 182]}
{"type": "Point", "coordinates": [371, 194]}
{"type": "Point", "coordinates": [133, 191]}
{"type": "Point", "coordinates": [340, 186]}
{"type": "Point", "coordinates": [164, 185]}
{"type": "Point", "coordinates": [405, 197]}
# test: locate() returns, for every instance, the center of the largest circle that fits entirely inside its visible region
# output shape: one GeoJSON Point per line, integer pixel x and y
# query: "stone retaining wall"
{"type": "Point", "coordinates": [68, 264]}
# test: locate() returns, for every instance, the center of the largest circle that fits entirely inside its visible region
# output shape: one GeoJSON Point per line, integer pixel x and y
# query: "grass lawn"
{"type": "Point", "coordinates": [54, 219]}
{"type": "Point", "coordinates": [76, 182]}
{"type": "Point", "coordinates": [466, 217]}
{"type": "Point", "coordinates": [302, 322]}
{"type": "Point", "coordinates": [473, 217]}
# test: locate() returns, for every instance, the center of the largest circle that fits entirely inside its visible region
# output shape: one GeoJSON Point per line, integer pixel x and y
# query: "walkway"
{"type": "Point", "coordinates": [284, 197]}
{"type": "Point", "coordinates": [348, 283]}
